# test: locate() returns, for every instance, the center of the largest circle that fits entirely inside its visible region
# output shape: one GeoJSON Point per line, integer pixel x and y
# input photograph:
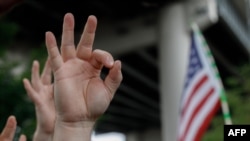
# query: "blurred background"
{"type": "Point", "coordinates": [131, 31]}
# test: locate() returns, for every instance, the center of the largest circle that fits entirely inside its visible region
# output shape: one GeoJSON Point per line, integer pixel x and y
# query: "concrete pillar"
{"type": "Point", "coordinates": [173, 55]}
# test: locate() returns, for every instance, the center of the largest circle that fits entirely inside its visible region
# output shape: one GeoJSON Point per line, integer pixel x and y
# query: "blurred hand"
{"type": "Point", "coordinates": [40, 90]}
{"type": "Point", "coordinates": [8, 132]}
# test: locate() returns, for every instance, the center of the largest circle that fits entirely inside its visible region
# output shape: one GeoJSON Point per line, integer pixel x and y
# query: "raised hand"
{"type": "Point", "coordinates": [8, 132]}
{"type": "Point", "coordinates": [40, 90]}
{"type": "Point", "coordinates": [80, 93]}
{"type": "Point", "coordinates": [81, 96]}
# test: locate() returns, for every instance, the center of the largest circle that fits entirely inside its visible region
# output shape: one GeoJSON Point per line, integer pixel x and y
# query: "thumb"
{"type": "Point", "coordinates": [114, 78]}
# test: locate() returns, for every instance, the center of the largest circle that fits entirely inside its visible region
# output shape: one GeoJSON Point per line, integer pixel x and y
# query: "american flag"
{"type": "Point", "coordinates": [201, 94]}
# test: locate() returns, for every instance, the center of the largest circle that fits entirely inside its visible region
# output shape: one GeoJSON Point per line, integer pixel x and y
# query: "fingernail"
{"type": "Point", "coordinates": [119, 64]}
{"type": "Point", "coordinates": [110, 61]}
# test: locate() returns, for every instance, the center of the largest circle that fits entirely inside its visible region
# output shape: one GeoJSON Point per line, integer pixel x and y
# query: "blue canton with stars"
{"type": "Point", "coordinates": [195, 64]}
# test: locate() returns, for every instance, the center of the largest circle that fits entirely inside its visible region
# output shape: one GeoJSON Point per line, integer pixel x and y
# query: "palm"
{"type": "Point", "coordinates": [80, 93]}
{"type": "Point", "coordinates": [85, 93]}
{"type": "Point", "coordinates": [45, 108]}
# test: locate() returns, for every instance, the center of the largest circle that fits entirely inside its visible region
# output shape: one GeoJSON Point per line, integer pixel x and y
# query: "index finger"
{"type": "Point", "coordinates": [54, 54]}
{"type": "Point", "coordinates": [35, 75]}
{"type": "Point", "coordinates": [84, 48]}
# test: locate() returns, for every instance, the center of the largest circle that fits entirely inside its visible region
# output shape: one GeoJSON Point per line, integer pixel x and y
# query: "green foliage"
{"type": "Point", "coordinates": [11, 94]}
{"type": "Point", "coordinates": [238, 96]}
{"type": "Point", "coordinates": [13, 97]}
{"type": "Point", "coordinates": [216, 131]}
{"type": "Point", "coordinates": [8, 31]}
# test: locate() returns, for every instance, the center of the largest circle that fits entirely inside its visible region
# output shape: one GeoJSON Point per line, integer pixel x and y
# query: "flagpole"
{"type": "Point", "coordinates": [225, 109]}
{"type": "Point", "coordinates": [223, 98]}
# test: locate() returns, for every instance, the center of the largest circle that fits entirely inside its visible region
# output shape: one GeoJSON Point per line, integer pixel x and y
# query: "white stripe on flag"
{"type": "Point", "coordinates": [201, 93]}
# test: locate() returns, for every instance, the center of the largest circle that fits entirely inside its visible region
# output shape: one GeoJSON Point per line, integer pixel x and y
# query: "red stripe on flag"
{"type": "Point", "coordinates": [207, 121]}
{"type": "Point", "coordinates": [196, 111]}
{"type": "Point", "coordinates": [196, 87]}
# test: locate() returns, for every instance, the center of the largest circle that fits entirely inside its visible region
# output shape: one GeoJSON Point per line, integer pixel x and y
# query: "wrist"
{"type": "Point", "coordinates": [86, 123]}
{"type": "Point", "coordinates": [73, 131]}
{"type": "Point", "coordinates": [44, 128]}
{"type": "Point", "coordinates": [40, 135]}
